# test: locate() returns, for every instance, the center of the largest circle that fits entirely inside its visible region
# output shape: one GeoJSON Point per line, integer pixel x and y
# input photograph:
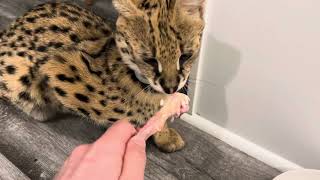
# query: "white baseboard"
{"type": "Point", "coordinates": [241, 143]}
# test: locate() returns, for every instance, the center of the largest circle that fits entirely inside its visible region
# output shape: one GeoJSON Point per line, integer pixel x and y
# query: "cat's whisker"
{"type": "Point", "coordinates": [142, 90]}
{"type": "Point", "coordinates": [185, 89]}
{"type": "Point", "coordinates": [195, 81]}
{"type": "Point", "coordinates": [137, 95]}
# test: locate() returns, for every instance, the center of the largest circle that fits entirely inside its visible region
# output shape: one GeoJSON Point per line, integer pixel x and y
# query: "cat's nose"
{"type": "Point", "coordinates": [168, 87]}
{"type": "Point", "coordinates": [168, 90]}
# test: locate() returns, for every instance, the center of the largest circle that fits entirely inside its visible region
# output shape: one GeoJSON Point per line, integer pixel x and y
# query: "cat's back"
{"type": "Point", "coordinates": [29, 43]}
{"type": "Point", "coordinates": [53, 25]}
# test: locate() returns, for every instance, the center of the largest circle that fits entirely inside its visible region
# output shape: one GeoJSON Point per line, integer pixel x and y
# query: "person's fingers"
{"type": "Point", "coordinates": [108, 151]}
{"type": "Point", "coordinates": [185, 109]}
{"type": "Point", "coordinates": [134, 160]}
{"type": "Point", "coordinates": [153, 125]}
{"type": "Point", "coordinates": [161, 102]}
{"type": "Point", "coordinates": [175, 101]}
{"type": "Point", "coordinates": [184, 99]}
{"type": "Point", "coordinates": [106, 154]}
{"type": "Point", "coordinates": [72, 162]}
{"type": "Point", "coordinates": [186, 102]}
{"type": "Point", "coordinates": [173, 107]}
{"type": "Point", "coordinates": [116, 136]}
{"type": "Point", "coordinates": [78, 153]}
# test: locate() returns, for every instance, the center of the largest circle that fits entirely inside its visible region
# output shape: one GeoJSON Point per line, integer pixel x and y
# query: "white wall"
{"type": "Point", "coordinates": [260, 74]}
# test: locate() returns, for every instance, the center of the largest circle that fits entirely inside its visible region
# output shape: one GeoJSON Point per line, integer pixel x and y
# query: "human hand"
{"type": "Point", "coordinates": [174, 105]}
{"type": "Point", "coordinates": [92, 161]}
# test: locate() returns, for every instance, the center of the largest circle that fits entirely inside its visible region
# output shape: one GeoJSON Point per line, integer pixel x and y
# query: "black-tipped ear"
{"type": "Point", "coordinates": [193, 7]}
{"type": "Point", "coordinates": [126, 8]}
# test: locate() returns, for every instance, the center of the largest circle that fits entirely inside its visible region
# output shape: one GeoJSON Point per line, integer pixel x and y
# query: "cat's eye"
{"type": "Point", "coordinates": [152, 62]}
{"type": "Point", "coordinates": [184, 58]}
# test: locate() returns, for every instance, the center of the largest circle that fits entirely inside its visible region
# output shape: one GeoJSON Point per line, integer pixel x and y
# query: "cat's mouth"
{"type": "Point", "coordinates": [156, 86]}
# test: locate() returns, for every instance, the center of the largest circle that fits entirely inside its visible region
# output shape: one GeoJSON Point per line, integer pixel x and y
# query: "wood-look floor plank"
{"type": "Point", "coordinates": [39, 149]}
{"type": "Point", "coordinates": [9, 171]}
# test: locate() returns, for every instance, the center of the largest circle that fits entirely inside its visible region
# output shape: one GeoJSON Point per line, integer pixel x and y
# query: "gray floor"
{"type": "Point", "coordinates": [39, 149]}
{"type": "Point", "coordinates": [29, 149]}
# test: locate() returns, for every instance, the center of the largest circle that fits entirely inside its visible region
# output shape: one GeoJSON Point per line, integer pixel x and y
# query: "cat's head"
{"type": "Point", "coordinates": [160, 39]}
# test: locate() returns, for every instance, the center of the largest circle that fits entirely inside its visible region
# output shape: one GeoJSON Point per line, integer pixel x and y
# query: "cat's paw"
{"type": "Point", "coordinates": [168, 140]}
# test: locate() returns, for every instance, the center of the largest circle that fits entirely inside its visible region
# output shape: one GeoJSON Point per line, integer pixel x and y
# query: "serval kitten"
{"type": "Point", "coordinates": [61, 57]}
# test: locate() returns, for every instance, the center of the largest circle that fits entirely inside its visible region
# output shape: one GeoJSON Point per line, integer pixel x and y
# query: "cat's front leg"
{"type": "Point", "coordinates": [168, 140]}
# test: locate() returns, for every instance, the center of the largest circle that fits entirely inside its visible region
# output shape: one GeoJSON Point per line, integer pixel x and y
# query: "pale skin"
{"type": "Point", "coordinates": [120, 154]}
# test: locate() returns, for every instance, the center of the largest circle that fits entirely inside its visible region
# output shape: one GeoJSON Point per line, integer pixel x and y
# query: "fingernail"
{"type": "Point", "coordinates": [161, 102]}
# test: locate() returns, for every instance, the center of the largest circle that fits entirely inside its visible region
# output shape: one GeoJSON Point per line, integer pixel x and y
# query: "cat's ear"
{"type": "Point", "coordinates": [193, 7]}
{"type": "Point", "coordinates": [126, 8]}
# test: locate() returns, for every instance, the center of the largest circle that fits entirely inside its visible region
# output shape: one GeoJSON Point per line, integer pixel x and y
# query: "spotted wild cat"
{"type": "Point", "coordinates": [61, 57]}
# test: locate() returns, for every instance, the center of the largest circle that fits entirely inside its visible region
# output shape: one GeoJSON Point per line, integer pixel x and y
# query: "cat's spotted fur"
{"type": "Point", "coordinates": [61, 57]}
